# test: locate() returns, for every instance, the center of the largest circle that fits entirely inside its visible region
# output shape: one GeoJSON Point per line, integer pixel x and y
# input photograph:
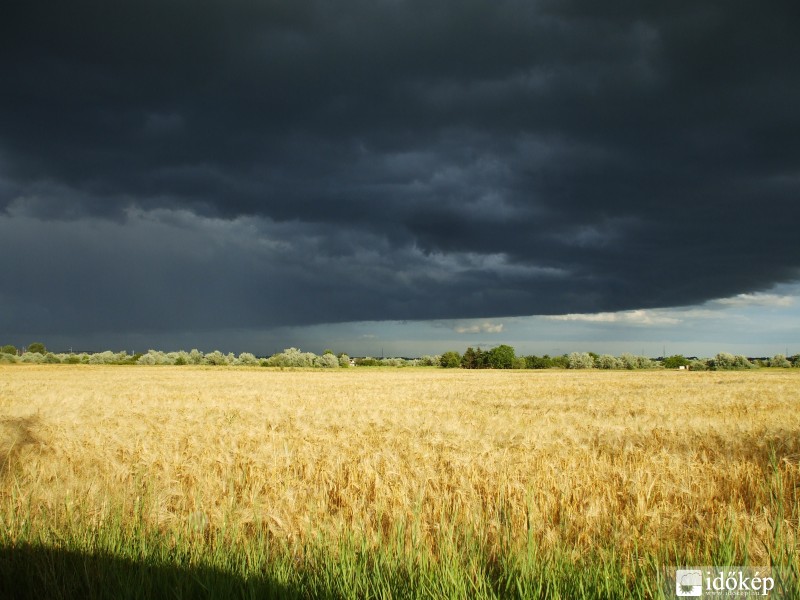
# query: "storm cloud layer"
{"type": "Point", "coordinates": [181, 165]}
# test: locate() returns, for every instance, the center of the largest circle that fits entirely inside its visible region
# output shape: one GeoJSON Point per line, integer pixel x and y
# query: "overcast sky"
{"type": "Point", "coordinates": [401, 176]}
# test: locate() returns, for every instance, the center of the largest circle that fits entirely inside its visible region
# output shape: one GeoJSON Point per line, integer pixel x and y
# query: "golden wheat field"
{"type": "Point", "coordinates": [637, 461]}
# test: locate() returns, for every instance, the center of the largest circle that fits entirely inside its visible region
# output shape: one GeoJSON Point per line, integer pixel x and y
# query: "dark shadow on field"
{"type": "Point", "coordinates": [38, 572]}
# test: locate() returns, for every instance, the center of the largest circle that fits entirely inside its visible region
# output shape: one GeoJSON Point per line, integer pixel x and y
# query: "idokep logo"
{"type": "Point", "coordinates": [688, 582]}
{"type": "Point", "coordinates": [723, 582]}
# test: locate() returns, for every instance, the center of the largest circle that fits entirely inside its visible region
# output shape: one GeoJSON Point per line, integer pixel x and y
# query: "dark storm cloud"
{"type": "Point", "coordinates": [392, 160]}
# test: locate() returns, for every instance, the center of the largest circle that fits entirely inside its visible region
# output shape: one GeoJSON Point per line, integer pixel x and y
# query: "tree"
{"type": "Point", "coordinates": [675, 361]}
{"type": "Point", "coordinates": [37, 348]}
{"type": "Point", "coordinates": [450, 360]}
{"type": "Point", "coordinates": [9, 349]}
{"type": "Point", "coordinates": [472, 359]}
{"type": "Point", "coordinates": [501, 357]}
{"type": "Point", "coordinates": [538, 362]}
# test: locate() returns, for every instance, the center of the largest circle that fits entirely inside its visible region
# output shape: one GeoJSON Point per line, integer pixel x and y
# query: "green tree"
{"type": "Point", "coordinates": [450, 360]}
{"type": "Point", "coordinates": [472, 358]}
{"type": "Point", "coordinates": [8, 349]}
{"type": "Point", "coordinates": [538, 362]}
{"type": "Point", "coordinates": [37, 348]}
{"type": "Point", "coordinates": [675, 361]}
{"type": "Point", "coordinates": [501, 357]}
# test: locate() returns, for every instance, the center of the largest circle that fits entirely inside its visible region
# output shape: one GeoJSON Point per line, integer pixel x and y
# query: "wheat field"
{"type": "Point", "coordinates": [582, 465]}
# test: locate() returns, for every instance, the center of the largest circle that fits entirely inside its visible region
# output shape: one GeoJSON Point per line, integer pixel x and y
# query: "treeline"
{"type": "Point", "coordinates": [499, 357]}
{"type": "Point", "coordinates": [291, 357]}
{"type": "Point", "coordinates": [504, 357]}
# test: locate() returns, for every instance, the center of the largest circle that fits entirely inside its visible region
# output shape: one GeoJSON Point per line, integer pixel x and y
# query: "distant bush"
{"type": "Point", "coordinates": [327, 361]}
{"type": "Point", "coordinates": [154, 357]}
{"type": "Point", "coordinates": [580, 360]}
{"type": "Point", "coordinates": [108, 358]}
{"type": "Point", "coordinates": [8, 349]}
{"type": "Point", "coordinates": [31, 357]}
{"type": "Point", "coordinates": [606, 361]}
{"type": "Point", "coordinates": [217, 358]}
{"type": "Point", "coordinates": [247, 359]}
{"type": "Point", "coordinates": [344, 361]}
{"type": "Point", "coordinates": [8, 359]}
{"type": "Point", "coordinates": [729, 362]}
{"type": "Point", "coordinates": [368, 361]}
{"type": "Point", "coordinates": [292, 357]}
{"type": "Point", "coordinates": [779, 360]}
{"type": "Point", "coordinates": [396, 362]}
{"type": "Point", "coordinates": [427, 360]}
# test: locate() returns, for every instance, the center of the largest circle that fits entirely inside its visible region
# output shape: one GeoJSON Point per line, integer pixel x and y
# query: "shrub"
{"type": "Point", "coordinates": [102, 358]}
{"type": "Point", "coordinates": [427, 360]}
{"type": "Point", "coordinates": [247, 359]}
{"type": "Point", "coordinates": [327, 361]}
{"type": "Point", "coordinates": [344, 361]}
{"type": "Point", "coordinates": [181, 357]}
{"type": "Point", "coordinates": [367, 361]}
{"type": "Point", "coordinates": [606, 361]}
{"type": "Point", "coordinates": [396, 362]}
{"type": "Point", "coordinates": [215, 358]}
{"type": "Point", "coordinates": [154, 357]}
{"type": "Point", "coordinates": [779, 360]}
{"type": "Point", "coordinates": [6, 358]}
{"type": "Point", "coordinates": [292, 357]}
{"type": "Point", "coordinates": [51, 359]}
{"type": "Point", "coordinates": [580, 360]}
{"type": "Point", "coordinates": [8, 349]}
{"type": "Point", "coordinates": [31, 357]}
{"type": "Point", "coordinates": [628, 361]}
{"type": "Point", "coordinates": [725, 361]}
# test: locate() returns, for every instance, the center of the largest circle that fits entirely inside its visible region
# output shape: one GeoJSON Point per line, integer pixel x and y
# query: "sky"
{"type": "Point", "coordinates": [401, 177]}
